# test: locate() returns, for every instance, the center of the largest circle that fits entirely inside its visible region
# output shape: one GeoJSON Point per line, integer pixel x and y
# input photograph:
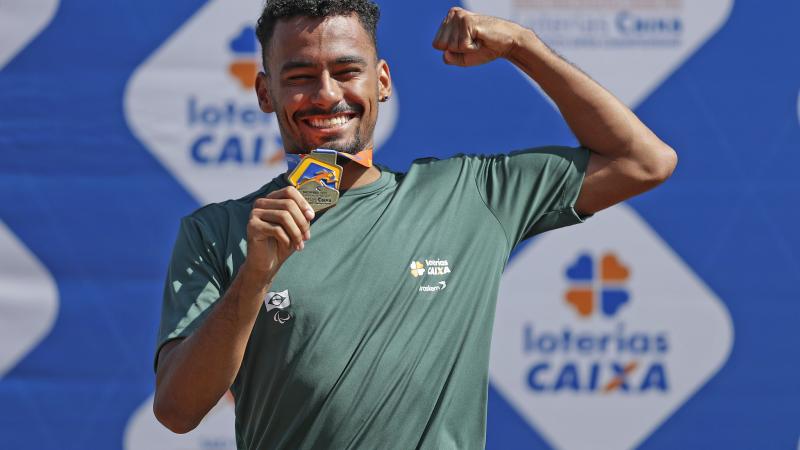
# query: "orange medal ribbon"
{"type": "Point", "coordinates": [363, 158]}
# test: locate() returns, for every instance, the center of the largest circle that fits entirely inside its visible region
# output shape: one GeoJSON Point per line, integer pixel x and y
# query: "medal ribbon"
{"type": "Point", "coordinates": [363, 158]}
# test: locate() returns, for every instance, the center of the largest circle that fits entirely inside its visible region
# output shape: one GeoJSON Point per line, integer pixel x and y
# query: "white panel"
{"type": "Point", "coordinates": [28, 300]}
{"type": "Point", "coordinates": [216, 431]}
{"type": "Point", "coordinates": [661, 320]}
{"type": "Point", "coordinates": [20, 22]}
{"type": "Point", "coordinates": [628, 46]}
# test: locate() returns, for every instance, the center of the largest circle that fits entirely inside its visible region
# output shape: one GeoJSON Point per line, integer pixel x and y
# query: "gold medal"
{"type": "Point", "coordinates": [319, 196]}
{"type": "Point", "coordinates": [317, 177]}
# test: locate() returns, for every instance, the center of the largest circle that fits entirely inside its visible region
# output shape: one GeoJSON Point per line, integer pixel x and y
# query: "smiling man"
{"type": "Point", "coordinates": [369, 325]}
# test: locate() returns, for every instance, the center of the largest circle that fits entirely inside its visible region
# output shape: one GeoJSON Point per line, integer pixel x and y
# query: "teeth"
{"type": "Point", "coordinates": [328, 123]}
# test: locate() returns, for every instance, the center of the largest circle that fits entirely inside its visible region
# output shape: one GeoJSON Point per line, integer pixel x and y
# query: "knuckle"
{"type": "Point", "coordinates": [285, 216]}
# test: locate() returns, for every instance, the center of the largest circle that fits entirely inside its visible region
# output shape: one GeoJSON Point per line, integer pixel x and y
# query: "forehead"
{"type": "Point", "coordinates": [319, 39]}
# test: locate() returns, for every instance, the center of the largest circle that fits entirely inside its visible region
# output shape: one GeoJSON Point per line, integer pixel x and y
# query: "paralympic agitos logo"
{"type": "Point", "coordinates": [599, 353]}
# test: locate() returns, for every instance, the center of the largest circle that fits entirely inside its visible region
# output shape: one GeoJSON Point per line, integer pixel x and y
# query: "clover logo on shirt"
{"type": "Point", "coordinates": [417, 269]}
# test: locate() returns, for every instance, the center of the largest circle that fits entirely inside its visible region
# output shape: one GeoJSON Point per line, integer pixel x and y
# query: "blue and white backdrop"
{"type": "Point", "coordinates": [667, 322]}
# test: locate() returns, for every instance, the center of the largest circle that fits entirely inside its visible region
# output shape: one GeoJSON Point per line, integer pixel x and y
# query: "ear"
{"type": "Point", "coordinates": [262, 92]}
{"type": "Point", "coordinates": [384, 80]}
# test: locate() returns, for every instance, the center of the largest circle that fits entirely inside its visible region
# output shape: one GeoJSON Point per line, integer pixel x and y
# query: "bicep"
{"type": "Point", "coordinates": [609, 181]}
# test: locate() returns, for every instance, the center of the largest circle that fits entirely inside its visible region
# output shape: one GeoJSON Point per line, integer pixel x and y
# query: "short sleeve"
{"type": "Point", "coordinates": [193, 283]}
{"type": "Point", "coordinates": [532, 191]}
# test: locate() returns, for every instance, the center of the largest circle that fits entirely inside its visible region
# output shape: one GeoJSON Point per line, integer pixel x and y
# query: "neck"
{"type": "Point", "coordinates": [355, 175]}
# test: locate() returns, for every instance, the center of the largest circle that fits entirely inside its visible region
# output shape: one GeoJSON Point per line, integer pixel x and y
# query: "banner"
{"type": "Point", "coordinates": [669, 321]}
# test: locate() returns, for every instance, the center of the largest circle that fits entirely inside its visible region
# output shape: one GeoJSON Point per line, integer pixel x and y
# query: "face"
{"type": "Point", "coordinates": [323, 83]}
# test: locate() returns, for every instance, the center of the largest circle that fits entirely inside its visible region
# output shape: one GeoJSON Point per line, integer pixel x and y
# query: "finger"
{"type": "Point", "coordinates": [292, 207]}
{"type": "Point", "coordinates": [442, 36]}
{"type": "Point", "coordinates": [268, 230]}
{"type": "Point", "coordinates": [285, 220]}
{"type": "Point", "coordinates": [460, 38]}
{"type": "Point", "coordinates": [465, 40]}
{"type": "Point", "coordinates": [453, 58]}
{"type": "Point", "coordinates": [438, 44]}
{"type": "Point", "coordinates": [291, 192]}
{"type": "Point", "coordinates": [447, 36]}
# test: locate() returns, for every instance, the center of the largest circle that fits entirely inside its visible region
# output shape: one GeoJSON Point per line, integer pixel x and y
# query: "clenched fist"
{"type": "Point", "coordinates": [469, 39]}
{"type": "Point", "coordinates": [279, 225]}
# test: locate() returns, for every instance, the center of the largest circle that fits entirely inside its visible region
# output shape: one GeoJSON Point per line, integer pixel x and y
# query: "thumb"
{"type": "Point", "coordinates": [453, 58]}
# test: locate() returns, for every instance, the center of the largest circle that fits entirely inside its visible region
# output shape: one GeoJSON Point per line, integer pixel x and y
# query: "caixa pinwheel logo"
{"type": "Point", "coordinates": [244, 66]}
{"type": "Point", "coordinates": [603, 328]}
{"type": "Point", "coordinates": [597, 353]}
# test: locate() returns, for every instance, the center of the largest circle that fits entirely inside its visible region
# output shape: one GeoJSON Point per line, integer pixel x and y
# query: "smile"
{"type": "Point", "coordinates": [322, 123]}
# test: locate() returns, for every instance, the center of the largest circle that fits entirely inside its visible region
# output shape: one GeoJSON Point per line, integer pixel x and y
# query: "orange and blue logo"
{"type": "Point", "coordinates": [613, 357]}
{"type": "Point", "coordinates": [245, 64]}
{"type": "Point", "coordinates": [597, 285]}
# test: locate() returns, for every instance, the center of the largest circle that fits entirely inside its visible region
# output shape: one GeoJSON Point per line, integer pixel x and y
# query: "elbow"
{"type": "Point", "coordinates": [661, 165]}
{"type": "Point", "coordinates": [172, 416]}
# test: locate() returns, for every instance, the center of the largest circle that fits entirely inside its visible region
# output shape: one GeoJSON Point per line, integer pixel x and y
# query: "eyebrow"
{"type": "Point", "coordinates": [296, 64]}
{"type": "Point", "coordinates": [351, 60]}
{"type": "Point", "coordinates": [305, 64]}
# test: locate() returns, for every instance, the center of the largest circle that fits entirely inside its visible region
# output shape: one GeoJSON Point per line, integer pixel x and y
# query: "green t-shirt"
{"type": "Point", "coordinates": [384, 339]}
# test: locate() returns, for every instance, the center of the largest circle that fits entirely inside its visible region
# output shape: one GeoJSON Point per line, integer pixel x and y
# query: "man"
{"type": "Point", "coordinates": [368, 326]}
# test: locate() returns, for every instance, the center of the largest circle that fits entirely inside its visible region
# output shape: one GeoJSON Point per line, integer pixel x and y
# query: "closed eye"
{"type": "Point", "coordinates": [348, 73]}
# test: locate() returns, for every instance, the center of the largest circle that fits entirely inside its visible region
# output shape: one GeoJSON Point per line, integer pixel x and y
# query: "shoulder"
{"type": "Point", "coordinates": [469, 160]}
{"type": "Point", "coordinates": [453, 164]}
{"type": "Point", "coordinates": [462, 160]}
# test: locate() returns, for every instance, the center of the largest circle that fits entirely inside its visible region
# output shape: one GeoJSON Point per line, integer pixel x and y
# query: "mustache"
{"type": "Point", "coordinates": [338, 109]}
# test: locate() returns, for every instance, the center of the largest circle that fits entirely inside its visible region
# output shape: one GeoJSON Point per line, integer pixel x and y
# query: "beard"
{"type": "Point", "coordinates": [350, 145]}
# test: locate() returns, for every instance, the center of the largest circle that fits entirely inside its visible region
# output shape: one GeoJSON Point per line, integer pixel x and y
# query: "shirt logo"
{"type": "Point", "coordinates": [434, 267]}
{"type": "Point", "coordinates": [440, 286]}
{"type": "Point", "coordinates": [431, 268]}
{"type": "Point", "coordinates": [417, 269]}
{"type": "Point", "coordinates": [277, 304]}
{"type": "Point", "coordinates": [279, 300]}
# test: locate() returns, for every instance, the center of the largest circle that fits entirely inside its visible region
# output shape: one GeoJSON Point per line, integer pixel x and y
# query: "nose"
{"type": "Point", "coordinates": [328, 92]}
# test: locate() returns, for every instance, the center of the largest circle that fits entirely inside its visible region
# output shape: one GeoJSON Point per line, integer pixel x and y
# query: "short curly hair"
{"type": "Point", "coordinates": [275, 10]}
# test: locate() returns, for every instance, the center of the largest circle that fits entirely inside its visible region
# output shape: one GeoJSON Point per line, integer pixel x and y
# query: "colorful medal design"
{"type": "Point", "coordinates": [317, 177]}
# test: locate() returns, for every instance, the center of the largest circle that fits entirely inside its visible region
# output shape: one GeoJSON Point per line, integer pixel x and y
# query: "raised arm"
{"type": "Point", "coordinates": [195, 372]}
{"type": "Point", "coordinates": [627, 157]}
